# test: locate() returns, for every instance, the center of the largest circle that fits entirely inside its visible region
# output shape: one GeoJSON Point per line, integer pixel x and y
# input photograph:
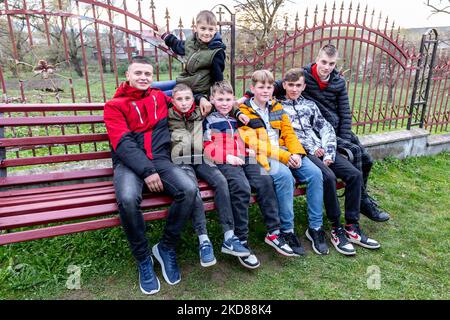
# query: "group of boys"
{"type": "Point", "coordinates": [256, 143]}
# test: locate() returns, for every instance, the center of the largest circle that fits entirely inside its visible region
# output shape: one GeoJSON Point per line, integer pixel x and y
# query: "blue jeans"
{"type": "Point", "coordinates": [284, 182]}
{"type": "Point", "coordinates": [129, 186]}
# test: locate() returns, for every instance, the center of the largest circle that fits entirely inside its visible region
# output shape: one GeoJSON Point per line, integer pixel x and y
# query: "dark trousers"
{"type": "Point", "coordinates": [128, 187]}
{"type": "Point", "coordinates": [361, 159]}
{"type": "Point", "coordinates": [212, 175]}
{"type": "Point", "coordinates": [342, 169]}
{"type": "Point", "coordinates": [262, 184]}
{"type": "Point", "coordinates": [240, 192]}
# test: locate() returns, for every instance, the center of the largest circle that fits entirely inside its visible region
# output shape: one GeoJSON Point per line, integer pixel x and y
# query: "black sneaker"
{"type": "Point", "coordinates": [293, 242]}
{"type": "Point", "coordinates": [341, 243]}
{"type": "Point", "coordinates": [250, 261]}
{"type": "Point", "coordinates": [369, 208]}
{"type": "Point", "coordinates": [354, 234]}
{"type": "Point", "coordinates": [279, 244]}
{"type": "Point", "coordinates": [318, 240]}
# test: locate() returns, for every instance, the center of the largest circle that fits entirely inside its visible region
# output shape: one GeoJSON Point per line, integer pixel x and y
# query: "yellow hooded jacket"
{"type": "Point", "coordinates": [256, 137]}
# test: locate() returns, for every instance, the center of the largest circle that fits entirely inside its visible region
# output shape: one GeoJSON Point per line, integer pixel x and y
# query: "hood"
{"type": "Point", "coordinates": [125, 90]}
{"type": "Point", "coordinates": [334, 73]}
{"type": "Point", "coordinates": [215, 43]}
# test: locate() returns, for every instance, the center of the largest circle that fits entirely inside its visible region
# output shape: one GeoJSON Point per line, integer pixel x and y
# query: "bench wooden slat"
{"type": "Point", "coordinates": [79, 212]}
{"type": "Point", "coordinates": [51, 107]}
{"type": "Point", "coordinates": [46, 190]}
{"type": "Point", "coordinates": [40, 121]}
{"type": "Point", "coordinates": [151, 201]}
{"type": "Point", "coordinates": [49, 232]}
{"type": "Point", "coordinates": [54, 177]}
{"type": "Point", "coordinates": [50, 197]}
{"type": "Point", "coordinates": [55, 159]}
{"type": "Point", "coordinates": [53, 140]}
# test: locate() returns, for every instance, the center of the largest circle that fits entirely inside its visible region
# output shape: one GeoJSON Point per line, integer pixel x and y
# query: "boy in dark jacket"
{"type": "Point", "coordinates": [136, 122]}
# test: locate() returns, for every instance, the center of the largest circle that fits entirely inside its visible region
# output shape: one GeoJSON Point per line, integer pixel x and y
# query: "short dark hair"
{"type": "Point", "coordinates": [329, 49]}
{"type": "Point", "coordinates": [293, 75]}
{"type": "Point", "coordinates": [140, 59]}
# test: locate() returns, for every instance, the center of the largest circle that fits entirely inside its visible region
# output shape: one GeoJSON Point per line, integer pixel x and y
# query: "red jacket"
{"type": "Point", "coordinates": [136, 122]}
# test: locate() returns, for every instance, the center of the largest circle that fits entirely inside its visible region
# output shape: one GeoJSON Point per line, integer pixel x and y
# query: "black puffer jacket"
{"type": "Point", "coordinates": [332, 101]}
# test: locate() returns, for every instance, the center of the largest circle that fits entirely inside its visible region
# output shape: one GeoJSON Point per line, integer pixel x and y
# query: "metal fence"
{"type": "Point", "coordinates": [68, 51]}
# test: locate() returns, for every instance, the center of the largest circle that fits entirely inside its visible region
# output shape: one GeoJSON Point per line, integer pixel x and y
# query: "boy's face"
{"type": "Point", "coordinates": [294, 88]}
{"type": "Point", "coordinates": [183, 100]}
{"type": "Point", "coordinates": [205, 32]}
{"type": "Point", "coordinates": [262, 91]}
{"type": "Point", "coordinates": [223, 102]}
{"type": "Point", "coordinates": [140, 75]}
{"type": "Point", "coordinates": [325, 65]}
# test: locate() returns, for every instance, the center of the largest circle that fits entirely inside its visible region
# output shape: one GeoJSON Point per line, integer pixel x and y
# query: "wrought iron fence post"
{"type": "Point", "coordinates": [422, 79]}
{"type": "Point", "coordinates": [2, 149]}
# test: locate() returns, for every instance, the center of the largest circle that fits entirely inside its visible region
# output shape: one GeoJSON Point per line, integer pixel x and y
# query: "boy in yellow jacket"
{"type": "Point", "coordinates": [270, 134]}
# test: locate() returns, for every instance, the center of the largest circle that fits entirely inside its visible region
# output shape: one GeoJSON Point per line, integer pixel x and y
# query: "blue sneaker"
{"type": "Point", "coordinates": [167, 258]}
{"type": "Point", "coordinates": [234, 247]}
{"type": "Point", "coordinates": [206, 252]}
{"type": "Point", "coordinates": [148, 281]}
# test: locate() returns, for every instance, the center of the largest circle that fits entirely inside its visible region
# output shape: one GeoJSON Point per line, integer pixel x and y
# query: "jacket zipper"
{"type": "Point", "coordinates": [156, 106]}
{"type": "Point", "coordinates": [192, 56]}
{"type": "Point", "coordinates": [139, 113]}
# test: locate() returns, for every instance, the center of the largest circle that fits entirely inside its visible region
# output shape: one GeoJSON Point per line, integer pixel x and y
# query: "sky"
{"type": "Point", "coordinates": [405, 13]}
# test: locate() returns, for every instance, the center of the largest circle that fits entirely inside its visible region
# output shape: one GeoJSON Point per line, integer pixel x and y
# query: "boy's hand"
{"type": "Point", "coordinates": [319, 153]}
{"type": "Point", "coordinates": [244, 118]}
{"type": "Point", "coordinates": [328, 162]}
{"type": "Point", "coordinates": [205, 106]}
{"type": "Point", "coordinates": [154, 183]}
{"type": "Point", "coordinates": [240, 101]}
{"type": "Point", "coordinates": [295, 161]}
{"type": "Point", "coordinates": [235, 161]}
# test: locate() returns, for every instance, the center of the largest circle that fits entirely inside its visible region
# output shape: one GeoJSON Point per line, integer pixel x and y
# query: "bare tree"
{"type": "Point", "coordinates": [441, 7]}
{"type": "Point", "coordinates": [258, 18]}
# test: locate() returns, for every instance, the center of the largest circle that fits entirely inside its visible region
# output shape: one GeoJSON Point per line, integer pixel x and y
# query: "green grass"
{"type": "Point", "coordinates": [413, 259]}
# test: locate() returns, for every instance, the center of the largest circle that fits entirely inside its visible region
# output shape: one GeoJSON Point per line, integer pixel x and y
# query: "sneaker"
{"type": "Point", "coordinates": [279, 244]}
{"type": "Point", "coordinates": [369, 208]}
{"type": "Point", "coordinates": [341, 243]}
{"type": "Point", "coordinates": [206, 252]}
{"type": "Point", "coordinates": [167, 258]}
{"type": "Point", "coordinates": [148, 281]}
{"type": "Point", "coordinates": [317, 237]}
{"type": "Point", "coordinates": [355, 235]}
{"type": "Point", "coordinates": [250, 261]}
{"type": "Point", "coordinates": [234, 247]}
{"type": "Point", "coordinates": [293, 242]}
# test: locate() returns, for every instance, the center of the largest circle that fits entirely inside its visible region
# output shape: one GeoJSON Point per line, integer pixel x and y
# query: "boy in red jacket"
{"type": "Point", "coordinates": [223, 145]}
{"type": "Point", "coordinates": [136, 122]}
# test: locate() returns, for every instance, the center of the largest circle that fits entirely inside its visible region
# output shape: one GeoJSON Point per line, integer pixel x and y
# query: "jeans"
{"type": "Point", "coordinates": [240, 192]}
{"type": "Point", "coordinates": [212, 175]}
{"type": "Point", "coordinates": [343, 169]}
{"type": "Point", "coordinates": [262, 184]}
{"type": "Point", "coordinates": [284, 183]}
{"type": "Point", "coordinates": [128, 187]}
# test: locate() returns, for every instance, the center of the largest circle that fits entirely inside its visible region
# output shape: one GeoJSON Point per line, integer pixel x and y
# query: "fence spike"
{"type": "Point", "coordinates": [152, 5]}
{"type": "Point", "coordinates": [350, 12]}
{"type": "Point", "coordinates": [371, 18]}
{"type": "Point", "coordinates": [333, 11]}
{"type": "Point", "coordinates": [296, 21]}
{"type": "Point", "coordinates": [324, 13]}
{"type": "Point", "coordinates": [341, 12]}
{"type": "Point", "coordinates": [316, 11]}
{"type": "Point", "coordinates": [365, 15]}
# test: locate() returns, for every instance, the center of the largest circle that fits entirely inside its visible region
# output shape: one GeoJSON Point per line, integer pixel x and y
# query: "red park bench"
{"type": "Point", "coordinates": [39, 203]}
